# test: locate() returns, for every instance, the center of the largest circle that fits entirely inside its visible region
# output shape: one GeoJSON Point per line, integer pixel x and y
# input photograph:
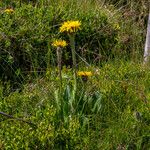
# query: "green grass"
{"type": "Point", "coordinates": [109, 110]}
{"type": "Point", "coordinates": [104, 114]}
{"type": "Point", "coordinates": [26, 35]}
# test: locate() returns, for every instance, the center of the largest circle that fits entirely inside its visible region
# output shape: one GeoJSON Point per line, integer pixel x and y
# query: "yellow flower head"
{"type": "Point", "coordinates": [116, 26]}
{"type": "Point", "coordinates": [9, 10]}
{"type": "Point", "coordinates": [59, 43]}
{"type": "Point", "coordinates": [84, 73]}
{"type": "Point", "coordinates": [70, 26]}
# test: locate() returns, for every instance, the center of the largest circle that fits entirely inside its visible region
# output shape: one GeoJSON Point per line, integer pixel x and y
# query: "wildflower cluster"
{"type": "Point", "coordinates": [59, 43]}
{"type": "Point", "coordinates": [70, 26]}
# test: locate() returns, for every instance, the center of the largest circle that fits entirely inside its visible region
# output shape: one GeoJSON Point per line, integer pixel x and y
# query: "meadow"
{"type": "Point", "coordinates": [72, 75]}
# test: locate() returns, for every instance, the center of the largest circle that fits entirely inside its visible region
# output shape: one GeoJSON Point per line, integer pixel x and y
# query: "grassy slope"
{"type": "Point", "coordinates": [110, 111]}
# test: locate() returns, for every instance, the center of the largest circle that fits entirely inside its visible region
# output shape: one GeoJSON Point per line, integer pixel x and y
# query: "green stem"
{"type": "Point", "coordinates": [72, 43]}
{"type": "Point", "coordinates": [59, 56]}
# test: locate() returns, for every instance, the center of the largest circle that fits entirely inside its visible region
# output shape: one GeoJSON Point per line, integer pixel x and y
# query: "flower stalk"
{"type": "Point", "coordinates": [71, 27]}
{"type": "Point", "coordinates": [72, 44]}
{"type": "Point", "coordinates": [59, 44]}
{"type": "Point", "coordinates": [59, 57]}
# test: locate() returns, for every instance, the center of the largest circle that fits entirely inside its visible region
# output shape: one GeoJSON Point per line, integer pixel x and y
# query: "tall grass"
{"type": "Point", "coordinates": [108, 110]}
{"type": "Point", "coordinates": [26, 35]}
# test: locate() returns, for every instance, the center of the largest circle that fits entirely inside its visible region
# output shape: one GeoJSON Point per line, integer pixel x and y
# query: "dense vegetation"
{"type": "Point", "coordinates": [43, 109]}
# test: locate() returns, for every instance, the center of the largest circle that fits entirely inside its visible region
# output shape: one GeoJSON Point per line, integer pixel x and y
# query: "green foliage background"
{"type": "Point", "coordinates": [111, 110]}
{"type": "Point", "coordinates": [26, 34]}
{"type": "Point", "coordinates": [105, 117]}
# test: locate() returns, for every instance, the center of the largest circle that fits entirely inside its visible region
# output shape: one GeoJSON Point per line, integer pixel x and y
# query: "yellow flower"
{"type": "Point", "coordinates": [9, 10]}
{"type": "Point", "coordinates": [70, 26]}
{"type": "Point", "coordinates": [59, 43]}
{"type": "Point", "coordinates": [84, 73]}
{"type": "Point", "coordinates": [116, 26]}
